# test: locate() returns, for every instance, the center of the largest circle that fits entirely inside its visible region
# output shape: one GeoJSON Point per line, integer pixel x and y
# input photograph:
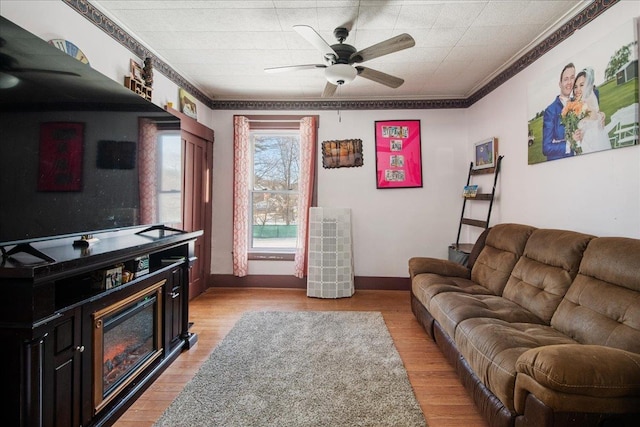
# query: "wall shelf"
{"type": "Point", "coordinates": [138, 87]}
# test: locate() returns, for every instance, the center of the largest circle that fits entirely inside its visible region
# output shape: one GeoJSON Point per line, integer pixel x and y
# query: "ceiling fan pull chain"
{"type": "Point", "coordinates": [339, 104]}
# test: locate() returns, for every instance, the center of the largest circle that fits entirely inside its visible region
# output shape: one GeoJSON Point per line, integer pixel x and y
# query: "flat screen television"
{"type": "Point", "coordinates": [69, 144]}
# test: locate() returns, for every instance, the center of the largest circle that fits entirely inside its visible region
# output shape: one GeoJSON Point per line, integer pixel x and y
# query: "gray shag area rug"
{"type": "Point", "coordinates": [300, 369]}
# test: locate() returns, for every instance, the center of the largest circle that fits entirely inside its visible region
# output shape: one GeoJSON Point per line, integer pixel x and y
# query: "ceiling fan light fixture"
{"type": "Point", "coordinates": [340, 74]}
{"type": "Point", "coordinates": [8, 81]}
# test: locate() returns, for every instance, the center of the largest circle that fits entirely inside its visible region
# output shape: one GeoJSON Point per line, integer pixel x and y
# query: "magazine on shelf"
{"type": "Point", "coordinates": [470, 191]}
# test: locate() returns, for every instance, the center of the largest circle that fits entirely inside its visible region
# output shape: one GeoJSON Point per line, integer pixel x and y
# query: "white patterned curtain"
{"type": "Point", "coordinates": [147, 147]}
{"type": "Point", "coordinates": [241, 168]}
{"type": "Point", "coordinates": [308, 136]}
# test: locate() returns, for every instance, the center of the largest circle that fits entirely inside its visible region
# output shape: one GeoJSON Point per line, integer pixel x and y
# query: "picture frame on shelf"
{"type": "Point", "coordinates": [485, 154]}
{"type": "Point", "coordinates": [136, 70]}
{"type": "Point", "coordinates": [398, 154]}
{"type": "Point", "coordinates": [187, 104]}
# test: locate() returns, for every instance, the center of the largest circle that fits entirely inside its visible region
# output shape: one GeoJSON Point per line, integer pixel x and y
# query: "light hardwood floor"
{"type": "Point", "coordinates": [442, 397]}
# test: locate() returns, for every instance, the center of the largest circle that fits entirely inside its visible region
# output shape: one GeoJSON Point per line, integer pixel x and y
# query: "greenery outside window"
{"type": "Point", "coordinates": [273, 199]}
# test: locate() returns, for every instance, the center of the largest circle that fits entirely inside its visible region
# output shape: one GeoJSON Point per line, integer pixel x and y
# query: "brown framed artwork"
{"type": "Point", "coordinates": [398, 154]}
{"type": "Point", "coordinates": [60, 156]}
{"type": "Point", "coordinates": [343, 153]}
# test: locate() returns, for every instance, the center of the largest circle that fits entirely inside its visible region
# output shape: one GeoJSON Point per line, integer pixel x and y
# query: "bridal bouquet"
{"type": "Point", "coordinates": [571, 115]}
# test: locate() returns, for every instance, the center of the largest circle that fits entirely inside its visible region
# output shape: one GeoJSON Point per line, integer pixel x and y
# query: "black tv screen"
{"type": "Point", "coordinates": [69, 143]}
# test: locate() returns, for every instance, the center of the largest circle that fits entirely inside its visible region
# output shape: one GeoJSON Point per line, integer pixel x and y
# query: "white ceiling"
{"type": "Point", "coordinates": [222, 47]}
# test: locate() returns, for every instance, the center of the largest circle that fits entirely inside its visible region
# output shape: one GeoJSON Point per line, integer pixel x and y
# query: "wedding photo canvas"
{"type": "Point", "coordinates": [588, 102]}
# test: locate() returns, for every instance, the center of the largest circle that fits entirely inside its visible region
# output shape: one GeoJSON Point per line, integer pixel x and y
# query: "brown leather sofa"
{"type": "Point", "coordinates": [543, 326]}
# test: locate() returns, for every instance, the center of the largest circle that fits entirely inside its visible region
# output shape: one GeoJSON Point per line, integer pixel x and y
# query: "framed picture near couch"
{"type": "Point", "coordinates": [398, 154]}
{"type": "Point", "coordinates": [485, 153]}
{"type": "Point", "coordinates": [587, 102]}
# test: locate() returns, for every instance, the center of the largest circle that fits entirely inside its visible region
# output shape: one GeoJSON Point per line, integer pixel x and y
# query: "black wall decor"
{"type": "Point", "coordinates": [116, 155]}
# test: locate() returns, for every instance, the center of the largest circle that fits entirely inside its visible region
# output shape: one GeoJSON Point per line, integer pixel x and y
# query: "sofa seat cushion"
{"type": "Point", "coordinates": [425, 286]}
{"type": "Point", "coordinates": [492, 347]}
{"type": "Point", "coordinates": [545, 271]}
{"type": "Point", "coordinates": [451, 308]}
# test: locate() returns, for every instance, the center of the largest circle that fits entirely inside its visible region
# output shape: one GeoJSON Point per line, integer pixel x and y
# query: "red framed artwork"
{"type": "Point", "coordinates": [398, 154]}
{"type": "Point", "coordinates": [60, 156]}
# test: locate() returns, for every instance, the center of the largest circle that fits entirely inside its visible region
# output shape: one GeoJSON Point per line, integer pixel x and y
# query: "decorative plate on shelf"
{"type": "Point", "coordinates": [70, 49]}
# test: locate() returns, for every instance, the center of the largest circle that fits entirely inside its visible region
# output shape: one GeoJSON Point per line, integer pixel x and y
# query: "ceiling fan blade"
{"type": "Point", "coordinates": [35, 70]}
{"type": "Point", "coordinates": [310, 35]}
{"type": "Point", "coordinates": [329, 90]}
{"type": "Point", "coordinates": [380, 77]}
{"type": "Point", "coordinates": [293, 68]}
{"type": "Point", "coordinates": [394, 44]}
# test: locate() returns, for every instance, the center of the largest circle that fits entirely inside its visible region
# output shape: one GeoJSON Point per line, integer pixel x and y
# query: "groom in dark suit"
{"type": "Point", "coordinates": [554, 144]}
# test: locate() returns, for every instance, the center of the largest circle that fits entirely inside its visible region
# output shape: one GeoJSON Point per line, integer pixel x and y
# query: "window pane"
{"type": "Point", "coordinates": [169, 207]}
{"type": "Point", "coordinates": [276, 161]}
{"type": "Point", "coordinates": [274, 219]}
{"type": "Point", "coordinates": [169, 165]}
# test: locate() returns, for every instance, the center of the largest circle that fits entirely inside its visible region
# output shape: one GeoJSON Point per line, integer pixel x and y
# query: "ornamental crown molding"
{"type": "Point", "coordinates": [588, 14]}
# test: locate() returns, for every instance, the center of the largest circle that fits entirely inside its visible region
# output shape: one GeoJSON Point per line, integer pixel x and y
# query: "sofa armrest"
{"type": "Point", "coordinates": [419, 265]}
{"type": "Point", "coordinates": [592, 372]}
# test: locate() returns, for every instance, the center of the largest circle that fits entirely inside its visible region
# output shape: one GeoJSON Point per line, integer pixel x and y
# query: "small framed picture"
{"type": "Point", "coordinates": [485, 153]}
{"type": "Point", "coordinates": [342, 154]}
{"type": "Point", "coordinates": [136, 70]}
{"type": "Point", "coordinates": [113, 277]}
{"type": "Point", "coordinates": [187, 104]}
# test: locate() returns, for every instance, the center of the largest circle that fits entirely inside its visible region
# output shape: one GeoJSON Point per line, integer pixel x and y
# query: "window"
{"type": "Point", "coordinates": [169, 177]}
{"type": "Point", "coordinates": [273, 187]}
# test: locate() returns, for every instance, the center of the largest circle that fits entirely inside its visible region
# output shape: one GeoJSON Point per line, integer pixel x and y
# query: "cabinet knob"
{"type": "Point", "coordinates": [175, 295]}
{"type": "Point", "coordinates": [80, 348]}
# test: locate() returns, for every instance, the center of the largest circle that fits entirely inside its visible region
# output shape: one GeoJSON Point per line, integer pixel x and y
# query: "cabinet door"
{"type": "Point", "coordinates": [62, 378]}
{"type": "Point", "coordinates": [198, 162]}
{"type": "Point", "coordinates": [174, 312]}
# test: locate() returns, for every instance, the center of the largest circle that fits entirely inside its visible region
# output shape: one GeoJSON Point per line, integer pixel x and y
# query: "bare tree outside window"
{"type": "Point", "coordinates": [274, 194]}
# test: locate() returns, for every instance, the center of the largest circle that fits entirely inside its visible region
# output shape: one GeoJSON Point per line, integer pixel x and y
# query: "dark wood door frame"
{"type": "Point", "coordinates": [197, 188]}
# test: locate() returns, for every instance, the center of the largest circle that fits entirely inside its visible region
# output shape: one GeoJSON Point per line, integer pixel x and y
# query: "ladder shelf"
{"type": "Point", "coordinates": [487, 197]}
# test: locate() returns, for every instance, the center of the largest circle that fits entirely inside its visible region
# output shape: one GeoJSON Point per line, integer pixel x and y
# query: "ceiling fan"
{"type": "Point", "coordinates": [9, 66]}
{"type": "Point", "coordinates": [340, 57]}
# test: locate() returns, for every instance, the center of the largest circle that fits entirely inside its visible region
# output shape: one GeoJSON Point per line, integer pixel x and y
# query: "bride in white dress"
{"type": "Point", "coordinates": [594, 136]}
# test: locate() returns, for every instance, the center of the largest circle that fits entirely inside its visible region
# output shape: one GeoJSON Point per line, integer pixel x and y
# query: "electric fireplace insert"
{"type": "Point", "coordinates": [126, 340]}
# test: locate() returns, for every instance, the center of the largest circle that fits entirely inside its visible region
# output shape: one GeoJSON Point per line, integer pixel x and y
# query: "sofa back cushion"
{"type": "Point", "coordinates": [602, 305]}
{"type": "Point", "coordinates": [547, 267]}
{"type": "Point", "coordinates": [504, 245]}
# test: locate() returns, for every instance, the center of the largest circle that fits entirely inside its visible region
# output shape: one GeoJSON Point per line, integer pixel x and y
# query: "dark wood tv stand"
{"type": "Point", "coordinates": [50, 356]}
